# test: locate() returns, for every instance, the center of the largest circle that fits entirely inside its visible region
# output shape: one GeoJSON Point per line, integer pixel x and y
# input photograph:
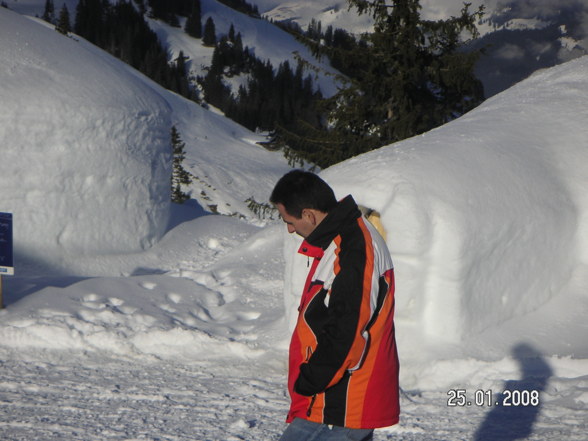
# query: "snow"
{"type": "Point", "coordinates": [338, 14]}
{"type": "Point", "coordinates": [89, 137]}
{"type": "Point", "coordinates": [108, 119]}
{"type": "Point", "coordinates": [488, 225]}
{"type": "Point", "coordinates": [186, 338]}
{"type": "Point", "coordinates": [266, 41]}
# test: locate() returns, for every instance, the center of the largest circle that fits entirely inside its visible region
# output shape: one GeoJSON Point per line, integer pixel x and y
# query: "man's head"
{"type": "Point", "coordinates": [303, 200]}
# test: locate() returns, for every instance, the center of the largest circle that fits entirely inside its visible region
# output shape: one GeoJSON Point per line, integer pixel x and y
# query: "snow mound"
{"type": "Point", "coordinates": [147, 315]}
{"type": "Point", "coordinates": [85, 145]}
{"type": "Point", "coordinates": [214, 295]}
{"type": "Point", "coordinates": [486, 216]}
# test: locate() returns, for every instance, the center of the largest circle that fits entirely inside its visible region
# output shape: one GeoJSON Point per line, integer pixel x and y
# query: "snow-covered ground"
{"type": "Point", "coordinates": [186, 340]}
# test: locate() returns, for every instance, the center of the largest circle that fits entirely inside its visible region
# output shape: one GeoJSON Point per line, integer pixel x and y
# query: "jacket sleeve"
{"type": "Point", "coordinates": [340, 344]}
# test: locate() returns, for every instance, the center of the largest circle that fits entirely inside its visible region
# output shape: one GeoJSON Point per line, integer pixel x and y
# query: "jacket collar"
{"type": "Point", "coordinates": [310, 250]}
{"type": "Point", "coordinates": [345, 212]}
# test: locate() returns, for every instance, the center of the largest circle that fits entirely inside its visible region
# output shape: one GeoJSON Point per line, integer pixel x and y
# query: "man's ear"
{"type": "Point", "coordinates": [309, 216]}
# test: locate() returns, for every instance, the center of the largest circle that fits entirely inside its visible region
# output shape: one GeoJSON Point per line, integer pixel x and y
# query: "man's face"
{"type": "Point", "coordinates": [302, 226]}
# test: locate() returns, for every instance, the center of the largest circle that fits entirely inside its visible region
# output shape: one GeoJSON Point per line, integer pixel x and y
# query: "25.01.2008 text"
{"type": "Point", "coordinates": [507, 398]}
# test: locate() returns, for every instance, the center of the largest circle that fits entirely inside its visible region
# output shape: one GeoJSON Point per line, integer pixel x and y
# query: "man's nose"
{"type": "Point", "coordinates": [291, 229]}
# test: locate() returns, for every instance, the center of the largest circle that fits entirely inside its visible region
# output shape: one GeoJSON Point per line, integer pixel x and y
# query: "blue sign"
{"type": "Point", "coordinates": [6, 258]}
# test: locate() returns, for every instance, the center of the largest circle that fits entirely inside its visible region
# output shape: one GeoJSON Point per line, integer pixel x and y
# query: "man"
{"type": "Point", "coordinates": [343, 362]}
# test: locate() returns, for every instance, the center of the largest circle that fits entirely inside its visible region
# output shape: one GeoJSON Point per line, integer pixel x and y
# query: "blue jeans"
{"type": "Point", "coordinates": [303, 430]}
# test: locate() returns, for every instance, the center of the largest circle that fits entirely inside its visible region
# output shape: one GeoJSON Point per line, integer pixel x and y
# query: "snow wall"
{"type": "Point", "coordinates": [85, 159]}
{"type": "Point", "coordinates": [486, 217]}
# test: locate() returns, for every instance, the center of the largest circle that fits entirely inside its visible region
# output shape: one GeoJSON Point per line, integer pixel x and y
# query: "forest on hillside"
{"type": "Point", "coordinates": [406, 77]}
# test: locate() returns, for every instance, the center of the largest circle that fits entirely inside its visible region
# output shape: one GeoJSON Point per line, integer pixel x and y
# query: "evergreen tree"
{"type": "Point", "coordinates": [408, 77]}
{"type": "Point", "coordinates": [172, 20]}
{"type": "Point", "coordinates": [241, 54]}
{"type": "Point", "coordinates": [242, 6]}
{"type": "Point", "coordinates": [159, 8]}
{"type": "Point", "coordinates": [90, 20]}
{"type": "Point", "coordinates": [179, 77]}
{"type": "Point", "coordinates": [49, 12]}
{"type": "Point", "coordinates": [314, 30]}
{"type": "Point", "coordinates": [329, 36]}
{"type": "Point", "coordinates": [141, 6]}
{"type": "Point", "coordinates": [180, 177]}
{"type": "Point", "coordinates": [209, 37]}
{"type": "Point", "coordinates": [168, 11]}
{"type": "Point", "coordinates": [184, 7]}
{"type": "Point", "coordinates": [181, 63]}
{"type": "Point", "coordinates": [193, 26]}
{"type": "Point", "coordinates": [120, 29]}
{"type": "Point", "coordinates": [63, 24]}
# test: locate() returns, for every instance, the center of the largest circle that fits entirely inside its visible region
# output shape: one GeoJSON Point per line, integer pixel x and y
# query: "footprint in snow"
{"type": "Point", "coordinates": [174, 298]}
{"type": "Point", "coordinates": [91, 298]}
{"type": "Point", "coordinates": [248, 315]}
{"type": "Point", "coordinates": [115, 301]}
{"type": "Point", "coordinates": [168, 308]}
{"type": "Point", "coordinates": [93, 301]}
{"type": "Point", "coordinates": [148, 285]}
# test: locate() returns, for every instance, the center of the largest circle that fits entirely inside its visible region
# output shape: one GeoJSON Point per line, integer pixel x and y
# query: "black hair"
{"type": "Point", "coordinates": [299, 189]}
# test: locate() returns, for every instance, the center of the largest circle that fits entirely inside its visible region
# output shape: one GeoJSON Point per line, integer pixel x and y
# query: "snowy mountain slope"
{"type": "Point", "coordinates": [86, 149]}
{"type": "Point", "coordinates": [338, 14]}
{"type": "Point", "coordinates": [518, 37]}
{"type": "Point", "coordinates": [268, 42]}
{"type": "Point", "coordinates": [335, 13]}
{"type": "Point", "coordinates": [521, 37]}
{"type": "Point", "coordinates": [228, 164]}
{"type": "Point", "coordinates": [214, 175]}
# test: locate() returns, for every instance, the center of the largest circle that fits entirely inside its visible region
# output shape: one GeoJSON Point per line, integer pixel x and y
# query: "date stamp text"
{"type": "Point", "coordinates": [506, 398]}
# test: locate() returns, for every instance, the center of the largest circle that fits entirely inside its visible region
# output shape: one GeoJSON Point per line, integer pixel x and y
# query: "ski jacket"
{"type": "Point", "coordinates": [343, 361]}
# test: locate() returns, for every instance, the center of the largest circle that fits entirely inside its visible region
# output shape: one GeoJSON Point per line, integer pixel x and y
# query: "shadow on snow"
{"type": "Point", "coordinates": [519, 403]}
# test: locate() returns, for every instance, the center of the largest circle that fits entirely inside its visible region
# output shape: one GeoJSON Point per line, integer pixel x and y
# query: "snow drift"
{"type": "Point", "coordinates": [85, 145]}
{"type": "Point", "coordinates": [485, 225]}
